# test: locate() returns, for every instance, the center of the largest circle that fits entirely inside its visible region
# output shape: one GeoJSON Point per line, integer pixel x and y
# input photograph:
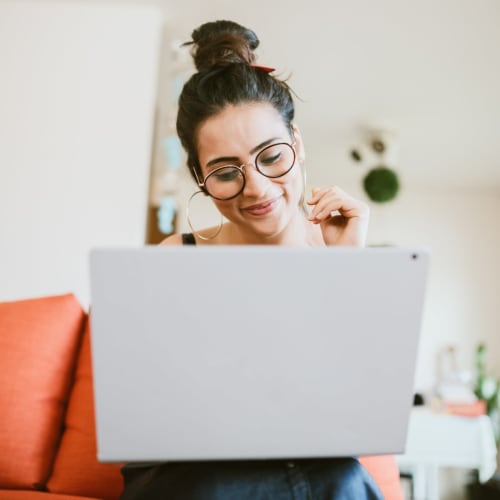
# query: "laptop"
{"type": "Point", "coordinates": [254, 352]}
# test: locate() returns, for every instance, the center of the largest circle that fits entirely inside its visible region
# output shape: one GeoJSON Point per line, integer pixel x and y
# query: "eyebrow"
{"type": "Point", "coordinates": [235, 159]}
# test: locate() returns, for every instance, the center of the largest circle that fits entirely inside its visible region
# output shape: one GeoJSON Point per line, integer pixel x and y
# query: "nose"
{"type": "Point", "coordinates": [256, 184]}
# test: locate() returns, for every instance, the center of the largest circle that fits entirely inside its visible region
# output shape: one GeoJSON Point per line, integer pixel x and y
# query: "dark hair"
{"type": "Point", "coordinates": [223, 53]}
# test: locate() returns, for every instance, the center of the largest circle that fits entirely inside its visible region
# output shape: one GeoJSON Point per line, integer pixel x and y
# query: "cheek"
{"type": "Point", "coordinates": [225, 207]}
{"type": "Point", "coordinates": [294, 180]}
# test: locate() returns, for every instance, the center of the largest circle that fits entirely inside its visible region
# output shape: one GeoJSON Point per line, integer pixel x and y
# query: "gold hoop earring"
{"type": "Point", "coordinates": [199, 235]}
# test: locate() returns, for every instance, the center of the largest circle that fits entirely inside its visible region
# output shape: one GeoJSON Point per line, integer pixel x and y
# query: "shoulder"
{"type": "Point", "coordinates": [174, 239]}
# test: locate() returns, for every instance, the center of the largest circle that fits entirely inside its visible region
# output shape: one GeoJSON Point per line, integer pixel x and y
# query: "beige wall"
{"type": "Point", "coordinates": [77, 98]}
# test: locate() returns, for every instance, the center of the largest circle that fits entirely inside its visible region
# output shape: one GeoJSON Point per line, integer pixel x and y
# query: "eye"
{"type": "Point", "coordinates": [226, 175]}
{"type": "Point", "coordinates": [269, 159]}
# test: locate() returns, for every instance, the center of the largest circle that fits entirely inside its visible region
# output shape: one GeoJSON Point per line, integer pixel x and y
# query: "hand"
{"type": "Point", "coordinates": [349, 226]}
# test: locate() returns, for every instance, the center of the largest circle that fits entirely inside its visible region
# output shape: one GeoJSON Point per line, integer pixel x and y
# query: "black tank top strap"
{"type": "Point", "coordinates": [188, 239]}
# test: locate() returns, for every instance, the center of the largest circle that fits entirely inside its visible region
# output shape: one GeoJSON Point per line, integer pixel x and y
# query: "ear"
{"type": "Point", "coordinates": [299, 145]}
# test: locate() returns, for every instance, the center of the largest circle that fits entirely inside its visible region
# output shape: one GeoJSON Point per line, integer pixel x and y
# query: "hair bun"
{"type": "Point", "coordinates": [220, 43]}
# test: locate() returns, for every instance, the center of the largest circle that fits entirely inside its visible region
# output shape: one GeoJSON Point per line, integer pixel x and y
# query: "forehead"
{"type": "Point", "coordinates": [238, 129]}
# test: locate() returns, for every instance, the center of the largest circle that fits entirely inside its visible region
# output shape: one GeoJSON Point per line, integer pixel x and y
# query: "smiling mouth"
{"type": "Point", "coordinates": [263, 208]}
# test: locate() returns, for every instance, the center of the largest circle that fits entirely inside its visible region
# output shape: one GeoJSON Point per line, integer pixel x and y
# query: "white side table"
{"type": "Point", "coordinates": [439, 440]}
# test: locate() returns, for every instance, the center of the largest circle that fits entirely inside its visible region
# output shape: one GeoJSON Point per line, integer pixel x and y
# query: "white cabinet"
{"type": "Point", "coordinates": [438, 440]}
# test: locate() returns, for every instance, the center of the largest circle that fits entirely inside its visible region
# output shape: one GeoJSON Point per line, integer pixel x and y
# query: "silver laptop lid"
{"type": "Point", "coordinates": [254, 352]}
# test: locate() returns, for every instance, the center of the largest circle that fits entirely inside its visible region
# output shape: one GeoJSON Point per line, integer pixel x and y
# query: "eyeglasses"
{"type": "Point", "coordinates": [228, 181]}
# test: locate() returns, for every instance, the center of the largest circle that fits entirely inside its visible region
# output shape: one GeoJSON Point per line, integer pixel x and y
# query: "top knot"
{"type": "Point", "coordinates": [221, 43]}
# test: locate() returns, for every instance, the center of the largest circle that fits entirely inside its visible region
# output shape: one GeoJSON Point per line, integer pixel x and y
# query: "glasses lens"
{"type": "Point", "coordinates": [275, 160]}
{"type": "Point", "coordinates": [225, 182]}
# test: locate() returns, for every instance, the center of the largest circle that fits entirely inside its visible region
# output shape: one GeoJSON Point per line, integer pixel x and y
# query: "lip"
{"type": "Point", "coordinates": [264, 207]}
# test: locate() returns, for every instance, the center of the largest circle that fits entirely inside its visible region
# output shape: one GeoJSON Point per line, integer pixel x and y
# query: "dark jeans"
{"type": "Point", "coordinates": [339, 479]}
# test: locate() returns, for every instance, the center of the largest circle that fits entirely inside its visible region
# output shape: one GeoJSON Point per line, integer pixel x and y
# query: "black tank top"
{"type": "Point", "coordinates": [188, 239]}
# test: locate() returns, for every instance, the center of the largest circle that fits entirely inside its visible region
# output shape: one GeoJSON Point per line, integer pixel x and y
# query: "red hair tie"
{"type": "Point", "coordinates": [267, 69]}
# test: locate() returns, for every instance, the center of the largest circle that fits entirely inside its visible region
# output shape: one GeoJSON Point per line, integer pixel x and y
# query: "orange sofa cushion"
{"type": "Point", "coordinates": [39, 339]}
{"type": "Point", "coordinates": [76, 470]}
{"type": "Point", "coordinates": [384, 469]}
{"type": "Point", "coordinates": [37, 495]}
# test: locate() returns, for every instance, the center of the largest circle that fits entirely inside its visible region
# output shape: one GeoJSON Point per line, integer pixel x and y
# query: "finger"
{"type": "Point", "coordinates": [338, 221]}
{"type": "Point", "coordinates": [345, 204]}
{"type": "Point", "coordinates": [348, 208]}
{"type": "Point", "coordinates": [316, 195]}
{"type": "Point", "coordinates": [326, 205]}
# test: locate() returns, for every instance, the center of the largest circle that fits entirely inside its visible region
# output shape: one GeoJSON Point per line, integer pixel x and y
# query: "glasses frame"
{"type": "Point", "coordinates": [202, 184]}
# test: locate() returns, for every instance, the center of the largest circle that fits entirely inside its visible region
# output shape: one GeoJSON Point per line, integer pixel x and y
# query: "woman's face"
{"type": "Point", "coordinates": [235, 136]}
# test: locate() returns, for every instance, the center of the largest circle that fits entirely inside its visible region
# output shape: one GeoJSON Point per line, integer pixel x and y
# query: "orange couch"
{"type": "Point", "coordinates": [47, 431]}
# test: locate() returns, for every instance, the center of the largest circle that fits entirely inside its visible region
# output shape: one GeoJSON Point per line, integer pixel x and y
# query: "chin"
{"type": "Point", "coordinates": [269, 228]}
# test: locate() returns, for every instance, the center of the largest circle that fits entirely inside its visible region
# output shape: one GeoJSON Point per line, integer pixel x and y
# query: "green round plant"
{"type": "Point", "coordinates": [381, 184]}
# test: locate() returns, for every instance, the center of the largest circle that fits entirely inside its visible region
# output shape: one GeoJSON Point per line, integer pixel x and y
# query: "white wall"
{"type": "Point", "coordinates": [459, 227]}
{"type": "Point", "coordinates": [77, 96]}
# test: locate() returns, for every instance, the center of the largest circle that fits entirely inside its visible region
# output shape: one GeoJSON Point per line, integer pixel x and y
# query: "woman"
{"type": "Point", "coordinates": [235, 122]}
